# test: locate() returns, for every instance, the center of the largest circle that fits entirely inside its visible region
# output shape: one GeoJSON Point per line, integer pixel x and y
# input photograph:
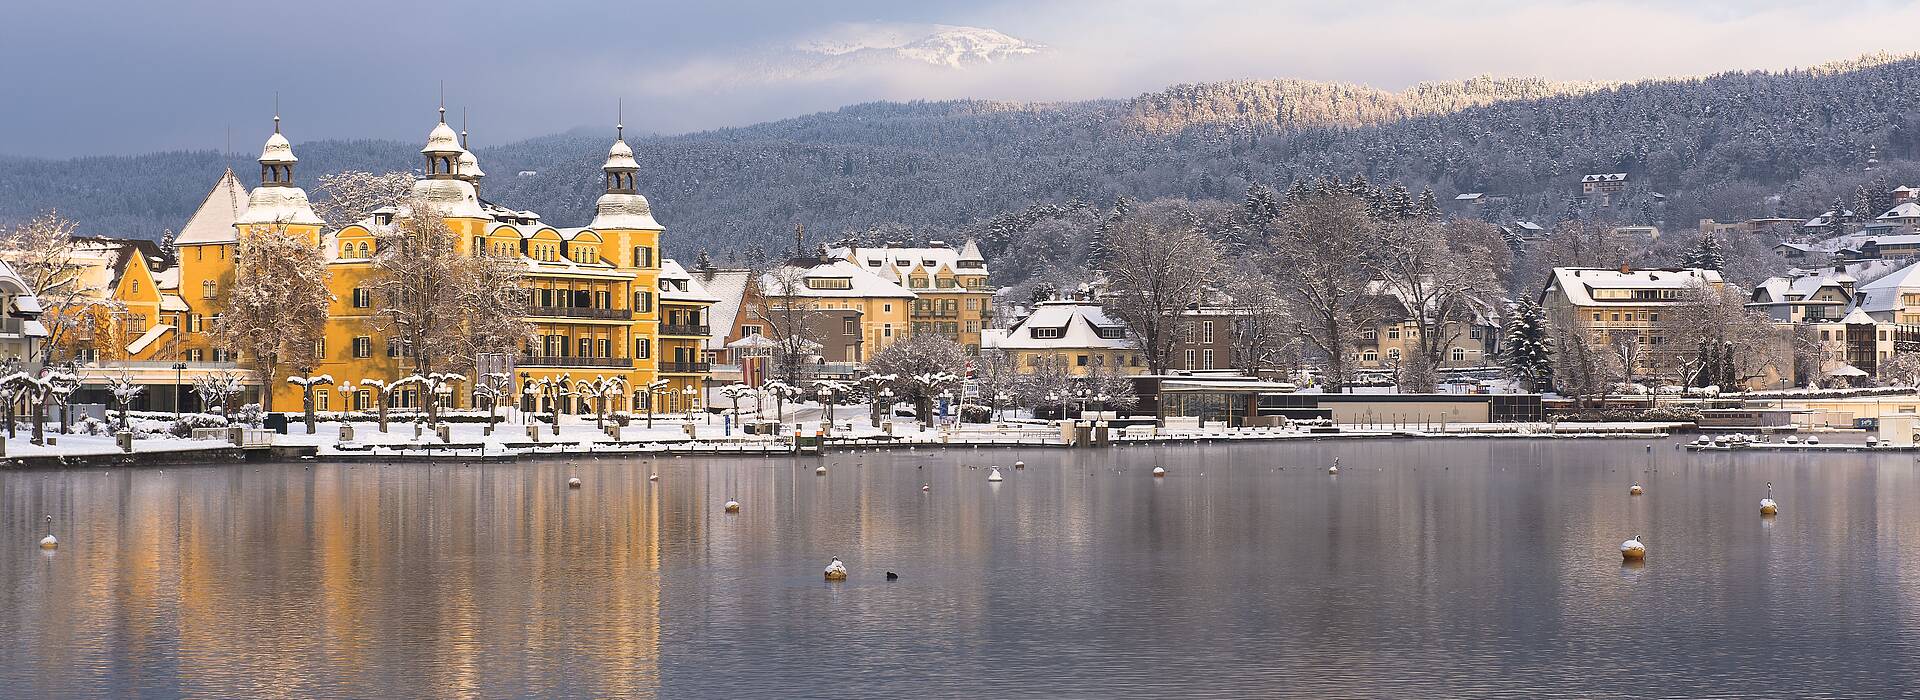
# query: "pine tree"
{"type": "Point", "coordinates": [703, 261]}
{"type": "Point", "coordinates": [1527, 351]}
{"type": "Point", "coordinates": [169, 251]}
{"type": "Point", "coordinates": [1706, 255]}
{"type": "Point", "coordinates": [1427, 207]}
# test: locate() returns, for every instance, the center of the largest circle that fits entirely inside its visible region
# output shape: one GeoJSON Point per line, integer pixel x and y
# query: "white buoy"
{"type": "Point", "coordinates": [1019, 465]}
{"type": "Point", "coordinates": [733, 506]}
{"type": "Point", "coordinates": [1633, 549]}
{"type": "Point", "coordinates": [49, 542]}
{"type": "Point", "coordinates": [926, 487]}
{"type": "Point", "coordinates": [1159, 471]}
{"type": "Point", "coordinates": [573, 483]}
{"type": "Point", "coordinates": [836, 571]}
{"type": "Point", "coordinates": [1335, 467]}
{"type": "Point", "coordinates": [653, 477]}
{"type": "Point", "coordinates": [820, 470]}
{"type": "Point", "coordinates": [1767, 506]}
{"type": "Point", "coordinates": [993, 474]}
{"type": "Point", "coordinates": [1635, 489]}
{"type": "Point", "coordinates": [1813, 440]}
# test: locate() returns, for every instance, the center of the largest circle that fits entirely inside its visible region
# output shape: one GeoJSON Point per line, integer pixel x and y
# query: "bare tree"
{"type": "Point", "coordinates": [1321, 245]}
{"type": "Point", "coordinates": [42, 252]}
{"type": "Point", "coordinates": [1717, 340]}
{"type": "Point", "coordinates": [352, 195]}
{"type": "Point", "coordinates": [276, 313]}
{"type": "Point", "coordinates": [443, 308]}
{"type": "Point", "coordinates": [218, 388]}
{"type": "Point", "coordinates": [1443, 277]}
{"type": "Point", "coordinates": [1159, 261]}
{"type": "Point", "coordinates": [1586, 369]}
{"type": "Point", "coordinates": [924, 364]}
{"type": "Point", "coordinates": [791, 317]}
{"type": "Point", "coordinates": [1262, 334]}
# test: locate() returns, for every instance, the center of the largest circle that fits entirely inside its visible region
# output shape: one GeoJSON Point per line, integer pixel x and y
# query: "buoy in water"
{"type": "Point", "coordinates": [1767, 506]}
{"type": "Point", "coordinates": [836, 571]}
{"type": "Point", "coordinates": [1159, 471]}
{"type": "Point", "coordinates": [820, 470]}
{"type": "Point", "coordinates": [1813, 440]}
{"type": "Point", "coordinates": [653, 477]}
{"type": "Point", "coordinates": [1019, 465]}
{"type": "Point", "coordinates": [993, 474]}
{"type": "Point", "coordinates": [573, 483]}
{"type": "Point", "coordinates": [1633, 549]}
{"type": "Point", "coordinates": [926, 487]}
{"type": "Point", "coordinates": [733, 506]}
{"type": "Point", "coordinates": [49, 542]}
{"type": "Point", "coordinates": [1335, 467]}
{"type": "Point", "coordinates": [1635, 489]}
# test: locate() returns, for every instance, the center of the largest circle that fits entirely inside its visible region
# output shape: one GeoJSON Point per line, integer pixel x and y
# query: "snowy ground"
{"type": "Point", "coordinates": [580, 434]}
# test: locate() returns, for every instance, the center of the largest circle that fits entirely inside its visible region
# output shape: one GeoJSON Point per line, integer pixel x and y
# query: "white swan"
{"type": "Point", "coordinates": [1633, 549]}
{"type": "Point", "coordinates": [926, 487]}
{"type": "Point", "coordinates": [733, 506]}
{"type": "Point", "coordinates": [836, 571]}
{"type": "Point", "coordinates": [1767, 506]}
{"type": "Point", "coordinates": [653, 477]}
{"type": "Point", "coordinates": [993, 474]}
{"type": "Point", "coordinates": [1335, 467]}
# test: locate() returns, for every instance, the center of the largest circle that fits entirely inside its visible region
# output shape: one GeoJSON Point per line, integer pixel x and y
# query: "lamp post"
{"type": "Point", "coordinates": [826, 401]}
{"type": "Point", "coordinates": [886, 402]}
{"type": "Point", "coordinates": [1053, 399]}
{"type": "Point", "coordinates": [179, 381]}
{"type": "Point", "coordinates": [999, 400]}
{"type": "Point", "coordinates": [688, 392]}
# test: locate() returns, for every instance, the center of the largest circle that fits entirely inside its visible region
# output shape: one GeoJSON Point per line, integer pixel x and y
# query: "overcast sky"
{"type": "Point", "coordinates": [126, 76]}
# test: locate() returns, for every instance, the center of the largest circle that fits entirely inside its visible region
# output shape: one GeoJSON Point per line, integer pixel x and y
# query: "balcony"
{"type": "Point", "coordinates": [686, 367]}
{"type": "Point", "coordinates": [556, 361]}
{"type": "Point", "coordinates": [687, 329]}
{"type": "Point", "coordinates": [580, 312]}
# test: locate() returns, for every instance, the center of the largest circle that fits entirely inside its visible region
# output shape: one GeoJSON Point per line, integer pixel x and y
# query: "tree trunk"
{"type": "Point", "coordinates": [39, 421]}
{"type": "Point", "coordinates": [381, 396]}
{"type": "Point", "coordinates": [312, 425]}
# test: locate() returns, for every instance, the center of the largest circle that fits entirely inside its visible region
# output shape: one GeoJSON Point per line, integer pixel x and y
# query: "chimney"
{"type": "Point", "coordinates": [1626, 269]}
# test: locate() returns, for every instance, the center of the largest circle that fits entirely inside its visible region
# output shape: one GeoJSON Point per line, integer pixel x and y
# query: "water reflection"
{"type": "Point", "coordinates": [1452, 568]}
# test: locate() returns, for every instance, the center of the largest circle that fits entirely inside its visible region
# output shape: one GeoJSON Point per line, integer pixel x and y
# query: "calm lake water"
{"type": "Point", "coordinates": [1470, 568]}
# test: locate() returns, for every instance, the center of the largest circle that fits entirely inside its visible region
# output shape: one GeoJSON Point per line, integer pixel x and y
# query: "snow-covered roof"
{"type": "Point", "coordinates": [279, 205]}
{"type": "Point", "coordinates": [442, 140]}
{"type": "Point", "coordinates": [1906, 210]}
{"type": "Point", "coordinates": [1605, 177]}
{"type": "Point", "coordinates": [1796, 288]}
{"type": "Point", "coordinates": [1908, 239]}
{"type": "Point", "coordinates": [620, 157]}
{"type": "Point", "coordinates": [213, 221]}
{"type": "Point", "coordinates": [1579, 283]}
{"type": "Point", "coordinates": [468, 165]}
{"type": "Point", "coordinates": [24, 301]}
{"type": "Point", "coordinates": [140, 344]}
{"type": "Point", "coordinates": [1905, 189]}
{"type": "Point", "coordinates": [1883, 295]}
{"type": "Point", "coordinates": [1826, 218]}
{"type": "Point", "coordinates": [677, 285]}
{"type": "Point", "coordinates": [277, 151]}
{"type": "Point", "coordinates": [1857, 316]}
{"type": "Point", "coordinates": [1078, 324]}
{"type": "Point", "coordinates": [173, 303]}
{"type": "Point", "coordinates": [455, 198]}
{"type": "Point", "coordinates": [728, 287]}
{"type": "Point", "coordinates": [1528, 225]}
{"type": "Point", "coordinates": [168, 278]}
{"type": "Point", "coordinates": [1796, 246]}
{"type": "Point", "coordinates": [859, 282]}
{"type": "Point", "coordinates": [1468, 196]}
{"type": "Point", "coordinates": [898, 263]}
{"type": "Point", "coordinates": [624, 211]}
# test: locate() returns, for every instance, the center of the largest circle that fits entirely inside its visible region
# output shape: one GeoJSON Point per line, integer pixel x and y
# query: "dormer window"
{"type": "Point", "coordinates": [830, 283]}
{"type": "Point", "coordinates": [1045, 333]}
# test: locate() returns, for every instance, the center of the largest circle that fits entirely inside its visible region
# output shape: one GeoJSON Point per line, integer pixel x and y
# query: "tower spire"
{"type": "Point", "coordinates": [276, 112]}
{"type": "Point", "coordinates": [463, 127]}
{"type": "Point", "coordinates": [443, 101]}
{"type": "Point", "coordinates": [620, 119]}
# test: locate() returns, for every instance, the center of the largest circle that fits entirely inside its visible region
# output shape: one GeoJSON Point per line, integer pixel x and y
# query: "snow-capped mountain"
{"type": "Point", "coordinates": [942, 45]}
{"type": "Point", "coordinates": [934, 45]}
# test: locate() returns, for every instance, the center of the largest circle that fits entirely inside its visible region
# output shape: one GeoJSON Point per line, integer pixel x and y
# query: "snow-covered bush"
{"type": "Point", "coordinates": [249, 415]}
{"type": "Point", "coordinates": [184, 427]}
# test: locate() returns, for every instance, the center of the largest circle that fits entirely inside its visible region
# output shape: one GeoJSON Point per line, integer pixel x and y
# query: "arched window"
{"type": "Point", "coordinates": [1370, 356]}
{"type": "Point", "coordinates": [1459, 354]}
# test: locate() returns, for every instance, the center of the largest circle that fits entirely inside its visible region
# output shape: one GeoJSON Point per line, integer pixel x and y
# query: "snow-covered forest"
{"type": "Point", "coordinates": [1719, 147]}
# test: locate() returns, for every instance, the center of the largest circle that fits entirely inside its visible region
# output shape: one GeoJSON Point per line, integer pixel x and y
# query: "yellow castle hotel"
{"type": "Point", "coordinates": [595, 294]}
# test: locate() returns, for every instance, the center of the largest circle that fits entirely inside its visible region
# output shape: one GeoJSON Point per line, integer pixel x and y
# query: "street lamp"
{"type": "Point", "coordinates": [999, 400]}
{"type": "Point", "coordinates": [688, 392]}
{"type": "Point", "coordinates": [886, 402]}
{"type": "Point", "coordinates": [179, 380]}
{"type": "Point", "coordinates": [826, 401]}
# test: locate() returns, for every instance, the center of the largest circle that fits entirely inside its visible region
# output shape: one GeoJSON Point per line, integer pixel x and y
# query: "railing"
{"type": "Point", "coordinates": [555, 361]}
{"type": "Point", "coordinates": [685, 329]}
{"type": "Point", "coordinates": [158, 364]}
{"type": "Point", "coordinates": [686, 367]}
{"type": "Point", "coordinates": [580, 312]}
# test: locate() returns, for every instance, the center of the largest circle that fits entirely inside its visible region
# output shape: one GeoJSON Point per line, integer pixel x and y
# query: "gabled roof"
{"type": "Point", "coordinates": [677, 285]}
{"type": "Point", "coordinates": [1579, 282]}
{"type": "Point", "coordinates": [861, 282]}
{"type": "Point", "coordinates": [1906, 210]}
{"type": "Point", "coordinates": [1077, 321]}
{"type": "Point", "coordinates": [213, 221]}
{"type": "Point", "coordinates": [1605, 177]}
{"type": "Point", "coordinates": [729, 287]}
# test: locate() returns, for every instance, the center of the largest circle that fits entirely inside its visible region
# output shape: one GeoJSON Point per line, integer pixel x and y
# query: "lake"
{"type": "Point", "coordinates": [1456, 568]}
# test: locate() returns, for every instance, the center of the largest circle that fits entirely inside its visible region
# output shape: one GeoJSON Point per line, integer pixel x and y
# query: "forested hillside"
{"type": "Point", "coordinates": [1718, 146]}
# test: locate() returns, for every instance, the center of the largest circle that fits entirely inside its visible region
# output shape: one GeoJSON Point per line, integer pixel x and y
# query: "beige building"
{"type": "Point", "coordinates": [1078, 332]}
{"type": "Point", "coordinates": [951, 296]}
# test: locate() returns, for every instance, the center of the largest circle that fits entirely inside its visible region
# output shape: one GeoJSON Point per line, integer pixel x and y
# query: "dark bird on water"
{"type": "Point", "coordinates": [892, 576]}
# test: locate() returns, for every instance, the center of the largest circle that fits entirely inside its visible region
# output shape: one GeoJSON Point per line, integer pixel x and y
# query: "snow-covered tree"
{"type": "Point", "coordinates": [1706, 254]}
{"type": "Point", "coordinates": [218, 388]}
{"type": "Point", "coordinates": [554, 390]}
{"type": "Point", "coordinates": [443, 308]}
{"type": "Point", "coordinates": [1323, 242]}
{"type": "Point", "coordinates": [124, 390]}
{"type": "Point", "coordinates": [382, 397]}
{"type": "Point", "coordinates": [494, 387]}
{"type": "Point", "coordinates": [925, 364]}
{"type": "Point", "coordinates": [602, 389]}
{"type": "Point", "coordinates": [1160, 262]}
{"type": "Point", "coordinates": [276, 311]}
{"type": "Point", "coordinates": [42, 251]}
{"type": "Point", "coordinates": [1527, 349]}
{"type": "Point", "coordinates": [781, 392]}
{"type": "Point", "coordinates": [308, 386]}
{"type": "Point", "coordinates": [1441, 278]}
{"type": "Point", "coordinates": [783, 305]}
{"type": "Point", "coordinates": [351, 195]}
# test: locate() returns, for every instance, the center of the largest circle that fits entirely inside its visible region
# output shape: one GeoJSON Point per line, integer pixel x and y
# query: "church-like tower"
{"type": "Point", "coordinates": [277, 201]}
